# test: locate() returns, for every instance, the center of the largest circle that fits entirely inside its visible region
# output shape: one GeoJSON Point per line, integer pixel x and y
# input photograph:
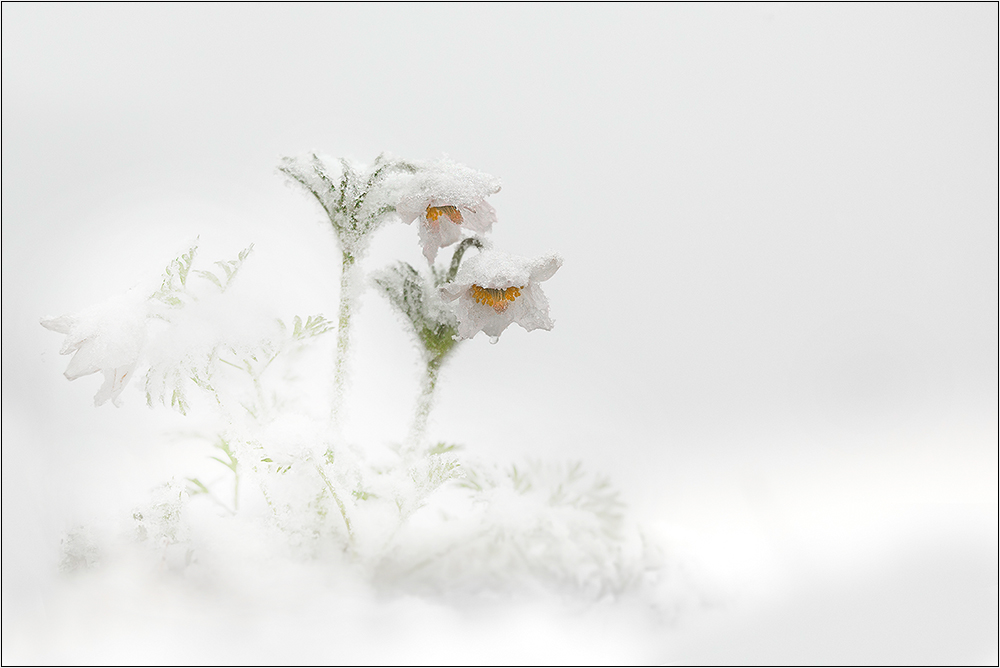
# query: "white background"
{"type": "Point", "coordinates": [776, 325]}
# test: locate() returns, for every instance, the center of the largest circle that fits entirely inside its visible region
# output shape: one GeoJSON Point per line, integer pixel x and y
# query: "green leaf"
{"type": "Point", "coordinates": [229, 465]}
{"type": "Point", "coordinates": [315, 325]}
{"type": "Point", "coordinates": [346, 177]}
{"type": "Point", "coordinates": [207, 275]}
{"type": "Point", "coordinates": [362, 495]}
{"type": "Point", "coordinates": [184, 266]}
{"type": "Point", "coordinates": [177, 401]}
{"type": "Point", "coordinates": [226, 267]}
{"type": "Point", "coordinates": [199, 487]}
{"type": "Point", "coordinates": [442, 447]}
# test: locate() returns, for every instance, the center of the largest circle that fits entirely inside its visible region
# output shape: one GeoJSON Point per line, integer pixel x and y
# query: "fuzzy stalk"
{"type": "Point", "coordinates": [426, 400]}
{"type": "Point", "coordinates": [336, 498]}
{"type": "Point", "coordinates": [343, 334]}
{"type": "Point", "coordinates": [456, 258]}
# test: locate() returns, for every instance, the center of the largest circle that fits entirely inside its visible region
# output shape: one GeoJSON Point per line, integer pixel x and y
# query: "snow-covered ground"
{"type": "Point", "coordinates": [864, 558]}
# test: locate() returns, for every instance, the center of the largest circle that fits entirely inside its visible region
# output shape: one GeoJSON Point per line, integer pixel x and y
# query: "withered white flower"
{"type": "Point", "coordinates": [107, 338]}
{"type": "Point", "coordinates": [447, 198]}
{"type": "Point", "coordinates": [495, 289]}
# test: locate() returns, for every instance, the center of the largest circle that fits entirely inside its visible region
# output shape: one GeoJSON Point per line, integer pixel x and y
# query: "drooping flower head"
{"type": "Point", "coordinates": [107, 338]}
{"type": "Point", "coordinates": [495, 289]}
{"type": "Point", "coordinates": [447, 199]}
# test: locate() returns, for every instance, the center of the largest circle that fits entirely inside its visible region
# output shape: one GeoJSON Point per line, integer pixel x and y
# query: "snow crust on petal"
{"type": "Point", "coordinates": [459, 193]}
{"type": "Point", "coordinates": [496, 269]}
{"type": "Point", "coordinates": [545, 267]}
{"type": "Point", "coordinates": [445, 183]}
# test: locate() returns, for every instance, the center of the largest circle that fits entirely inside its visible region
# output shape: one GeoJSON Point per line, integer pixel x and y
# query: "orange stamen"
{"type": "Point", "coordinates": [435, 212]}
{"type": "Point", "coordinates": [496, 298]}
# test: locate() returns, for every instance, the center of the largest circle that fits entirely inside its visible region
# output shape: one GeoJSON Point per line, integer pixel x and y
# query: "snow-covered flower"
{"type": "Point", "coordinates": [107, 338]}
{"type": "Point", "coordinates": [495, 289]}
{"type": "Point", "coordinates": [447, 198]}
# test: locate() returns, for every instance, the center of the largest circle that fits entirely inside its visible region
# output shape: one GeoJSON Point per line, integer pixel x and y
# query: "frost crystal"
{"type": "Point", "coordinates": [414, 295]}
{"type": "Point", "coordinates": [495, 289]}
{"type": "Point", "coordinates": [107, 338]}
{"type": "Point", "coordinates": [549, 525]}
{"type": "Point", "coordinates": [357, 198]}
{"type": "Point", "coordinates": [447, 198]}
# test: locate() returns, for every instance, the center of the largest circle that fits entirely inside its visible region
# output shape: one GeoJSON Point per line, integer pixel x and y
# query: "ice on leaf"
{"type": "Point", "coordinates": [495, 289]}
{"type": "Point", "coordinates": [541, 524]}
{"type": "Point", "coordinates": [108, 338]}
{"type": "Point", "coordinates": [447, 198]}
{"type": "Point", "coordinates": [414, 295]}
{"type": "Point", "coordinates": [357, 198]}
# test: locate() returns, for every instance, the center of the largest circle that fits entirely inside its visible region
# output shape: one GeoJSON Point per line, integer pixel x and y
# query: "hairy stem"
{"type": "Point", "coordinates": [343, 334]}
{"type": "Point", "coordinates": [336, 498]}
{"type": "Point", "coordinates": [456, 258]}
{"type": "Point", "coordinates": [425, 400]}
{"type": "Point", "coordinates": [236, 488]}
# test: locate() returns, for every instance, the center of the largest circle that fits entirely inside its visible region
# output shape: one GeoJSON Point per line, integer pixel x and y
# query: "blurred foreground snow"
{"type": "Point", "coordinates": [902, 568]}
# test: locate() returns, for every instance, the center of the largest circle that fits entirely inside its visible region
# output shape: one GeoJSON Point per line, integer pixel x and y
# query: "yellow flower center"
{"type": "Point", "coordinates": [498, 298]}
{"type": "Point", "coordinates": [435, 212]}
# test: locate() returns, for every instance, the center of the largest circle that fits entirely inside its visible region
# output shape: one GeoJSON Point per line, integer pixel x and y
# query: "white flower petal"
{"type": "Point", "coordinates": [545, 267]}
{"type": "Point", "coordinates": [479, 217]}
{"type": "Point", "coordinates": [445, 184]}
{"type": "Point", "coordinates": [438, 234]}
{"type": "Point", "coordinates": [494, 270]}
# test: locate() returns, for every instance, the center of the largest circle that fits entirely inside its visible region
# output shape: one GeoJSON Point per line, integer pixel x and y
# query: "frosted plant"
{"type": "Point", "coordinates": [524, 527]}
{"type": "Point", "coordinates": [78, 550]}
{"type": "Point", "coordinates": [445, 196]}
{"type": "Point", "coordinates": [495, 289]}
{"type": "Point", "coordinates": [448, 199]}
{"type": "Point", "coordinates": [108, 338]}
{"type": "Point", "coordinates": [189, 337]}
{"type": "Point", "coordinates": [159, 526]}
{"type": "Point", "coordinates": [357, 200]}
{"type": "Point", "coordinates": [418, 516]}
{"type": "Point", "coordinates": [417, 297]}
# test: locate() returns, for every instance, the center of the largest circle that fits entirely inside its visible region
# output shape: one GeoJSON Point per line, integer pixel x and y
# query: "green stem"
{"type": "Point", "coordinates": [236, 488]}
{"type": "Point", "coordinates": [425, 400]}
{"type": "Point", "coordinates": [244, 451]}
{"type": "Point", "coordinates": [336, 498]}
{"type": "Point", "coordinates": [259, 389]}
{"type": "Point", "coordinates": [456, 257]}
{"type": "Point", "coordinates": [343, 333]}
